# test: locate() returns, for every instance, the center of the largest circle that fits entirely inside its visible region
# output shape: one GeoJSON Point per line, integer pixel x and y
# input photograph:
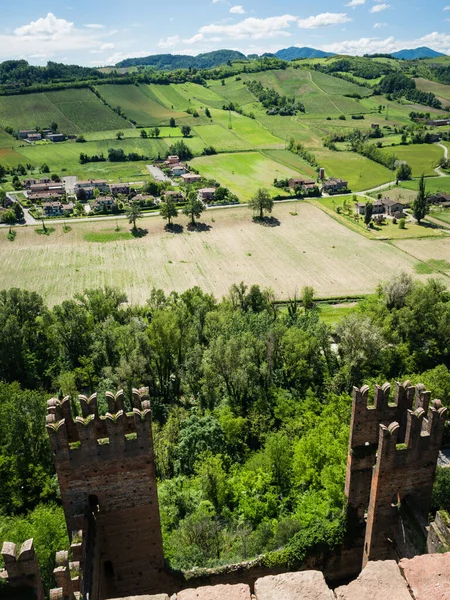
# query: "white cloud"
{"type": "Point", "coordinates": [363, 46]}
{"type": "Point", "coordinates": [237, 10]}
{"type": "Point", "coordinates": [95, 26]}
{"type": "Point", "coordinates": [354, 3]}
{"type": "Point", "coordinates": [195, 39]}
{"type": "Point", "coordinates": [169, 42]}
{"type": "Point", "coordinates": [379, 25]}
{"type": "Point", "coordinates": [103, 48]}
{"type": "Point", "coordinates": [437, 41]}
{"type": "Point", "coordinates": [379, 7]}
{"type": "Point", "coordinates": [323, 20]}
{"type": "Point", "coordinates": [48, 27]}
{"type": "Point", "coordinates": [252, 28]}
{"type": "Point", "coordinates": [446, 7]}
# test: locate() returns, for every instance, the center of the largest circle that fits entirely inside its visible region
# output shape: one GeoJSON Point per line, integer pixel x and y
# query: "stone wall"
{"type": "Point", "coordinates": [22, 569]}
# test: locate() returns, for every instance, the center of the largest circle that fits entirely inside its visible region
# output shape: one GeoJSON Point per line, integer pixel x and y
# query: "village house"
{"type": "Point", "coordinates": [119, 188]}
{"type": "Point", "coordinates": [28, 182]}
{"type": "Point", "coordinates": [24, 133]}
{"type": "Point", "coordinates": [84, 193]}
{"type": "Point", "coordinates": [178, 170]}
{"type": "Point", "coordinates": [99, 184]}
{"type": "Point", "coordinates": [172, 160]}
{"type": "Point", "coordinates": [189, 178]}
{"type": "Point", "coordinates": [52, 209]}
{"type": "Point", "coordinates": [103, 202]}
{"type": "Point", "coordinates": [54, 188]}
{"type": "Point", "coordinates": [206, 194]}
{"type": "Point", "coordinates": [45, 195]}
{"type": "Point", "coordinates": [334, 185]}
{"type": "Point", "coordinates": [438, 122]}
{"type": "Point", "coordinates": [439, 198]}
{"type": "Point", "coordinates": [68, 207]}
{"type": "Point", "coordinates": [144, 199]}
{"type": "Point", "coordinates": [174, 195]}
{"type": "Point", "coordinates": [44, 180]}
{"type": "Point", "coordinates": [55, 137]}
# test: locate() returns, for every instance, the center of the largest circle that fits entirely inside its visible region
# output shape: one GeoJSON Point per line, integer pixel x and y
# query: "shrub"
{"type": "Point", "coordinates": [402, 224]}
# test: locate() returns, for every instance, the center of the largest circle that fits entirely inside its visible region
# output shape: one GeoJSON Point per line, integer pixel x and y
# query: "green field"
{"type": "Point", "coordinates": [360, 172]}
{"type": "Point", "coordinates": [244, 172]}
{"type": "Point", "coordinates": [438, 89]}
{"type": "Point", "coordinates": [432, 184]}
{"type": "Point", "coordinates": [423, 158]}
{"type": "Point", "coordinates": [139, 104]}
{"type": "Point", "coordinates": [75, 111]}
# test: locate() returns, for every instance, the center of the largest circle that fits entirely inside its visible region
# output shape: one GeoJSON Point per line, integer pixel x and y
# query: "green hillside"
{"type": "Point", "coordinates": [74, 110]}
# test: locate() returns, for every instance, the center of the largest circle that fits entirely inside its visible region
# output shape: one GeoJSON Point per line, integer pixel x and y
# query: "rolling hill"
{"type": "Point", "coordinates": [168, 62]}
{"type": "Point", "coordinates": [416, 53]}
{"type": "Point", "coordinates": [293, 53]}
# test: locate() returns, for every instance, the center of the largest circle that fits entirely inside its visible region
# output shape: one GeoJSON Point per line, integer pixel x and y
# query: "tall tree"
{"type": "Point", "coordinates": [420, 205]}
{"type": "Point", "coordinates": [193, 207]}
{"type": "Point", "coordinates": [134, 213]}
{"type": "Point", "coordinates": [368, 213]}
{"type": "Point", "coordinates": [261, 202]}
{"type": "Point", "coordinates": [168, 210]}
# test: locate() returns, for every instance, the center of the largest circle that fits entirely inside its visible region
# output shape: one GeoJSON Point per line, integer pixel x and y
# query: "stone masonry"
{"type": "Point", "coordinates": [106, 472]}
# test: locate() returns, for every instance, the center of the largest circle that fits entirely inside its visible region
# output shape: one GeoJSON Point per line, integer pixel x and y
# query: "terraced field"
{"type": "Point", "coordinates": [75, 111]}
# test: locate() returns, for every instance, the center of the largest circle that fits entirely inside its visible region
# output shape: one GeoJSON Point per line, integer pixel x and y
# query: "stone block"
{"type": "Point", "coordinates": [304, 585]}
{"type": "Point", "coordinates": [157, 597]}
{"type": "Point", "coordinates": [428, 576]}
{"type": "Point", "coordinates": [379, 579]}
{"type": "Point", "coordinates": [217, 592]}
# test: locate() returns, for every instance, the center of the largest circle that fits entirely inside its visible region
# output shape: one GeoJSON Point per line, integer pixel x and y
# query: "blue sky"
{"type": "Point", "coordinates": [98, 32]}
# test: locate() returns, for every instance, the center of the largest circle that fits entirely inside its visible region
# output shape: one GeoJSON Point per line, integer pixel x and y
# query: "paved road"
{"type": "Point", "coordinates": [69, 183]}
{"type": "Point", "coordinates": [159, 174]}
{"type": "Point", "coordinates": [29, 220]}
{"type": "Point", "coordinates": [438, 169]}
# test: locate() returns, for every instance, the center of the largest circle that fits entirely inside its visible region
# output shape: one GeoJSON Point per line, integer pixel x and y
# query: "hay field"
{"type": "Point", "coordinates": [307, 249]}
{"type": "Point", "coordinates": [435, 252]}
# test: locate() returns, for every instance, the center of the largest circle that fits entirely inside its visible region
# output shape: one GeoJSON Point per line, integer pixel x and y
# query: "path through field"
{"type": "Point", "coordinates": [438, 169]}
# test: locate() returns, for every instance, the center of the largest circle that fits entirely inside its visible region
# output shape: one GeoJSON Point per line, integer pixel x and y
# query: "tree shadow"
{"type": "Point", "coordinates": [198, 227]}
{"type": "Point", "coordinates": [174, 228]}
{"type": "Point", "coordinates": [267, 221]}
{"type": "Point", "coordinates": [139, 232]}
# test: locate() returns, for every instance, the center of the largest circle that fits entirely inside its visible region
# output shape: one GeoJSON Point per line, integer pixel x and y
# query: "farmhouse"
{"type": "Point", "coordinates": [24, 133]}
{"type": "Point", "coordinates": [302, 182]}
{"type": "Point", "coordinates": [172, 160]}
{"type": "Point", "coordinates": [206, 194]}
{"type": "Point", "coordinates": [34, 137]}
{"type": "Point", "coordinates": [191, 178]}
{"type": "Point", "coordinates": [144, 199]}
{"type": "Point", "coordinates": [439, 122]}
{"type": "Point", "coordinates": [55, 137]}
{"type": "Point", "coordinates": [119, 188]}
{"type": "Point", "coordinates": [439, 198]}
{"type": "Point", "coordinates": [380, 207]}
{"type": "Point", "coordinates": [99, 184]}
{"type": "Point", "coordinates": [333, 185]}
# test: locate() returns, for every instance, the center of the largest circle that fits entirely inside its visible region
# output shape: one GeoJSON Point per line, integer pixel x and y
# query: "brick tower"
{"type": "Point", "coordinates": [381, 475]}
{"type": "Point", "coordinates": [106, 472]}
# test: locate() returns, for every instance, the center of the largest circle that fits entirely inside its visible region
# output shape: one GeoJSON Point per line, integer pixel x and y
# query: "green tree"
{"type": "Point", "coordinates": [45, 168]}
{"type": "Point", "coordinates": [144, 134]}
{"type": "Point", "coordinates": [307, 295]}
{"type": "Point", "coordinates": [54, 127]}
{"type": "Point", "coordinates": [18, 211]}
{"type": "Point", "coordinates": [119, 135]}
{"type": "Point", "coordinates": [420, 206]}
{"type": "Point", "coordinates": [172, 122]}
{"type": "Point", "coordinates": [404, 172]}
{"type": "Point", "coordinates": [168, 210]}
{"type": "Point", "coordinates": [261, 202]}
{"type": "Point", "coordinates": [368, 213]}
{"type": "Point", "coordinates": [207, 112]}
{"type": "Point", "coordinates": [9, 217]}
{"type": "Point", "coordinates": [133, 212]}
{"type": "Point", "coordinates": [193, 207]}
{"type": "Point", "coordinates": [186, 130]}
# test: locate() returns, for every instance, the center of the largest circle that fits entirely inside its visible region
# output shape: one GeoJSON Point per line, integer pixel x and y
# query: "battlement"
{"type": "Point", "coordinates": [22, 567]}
{"type": "Point", "coordinates": [99, 437]}
{"type": "Point", "coordinates": [367, 417]}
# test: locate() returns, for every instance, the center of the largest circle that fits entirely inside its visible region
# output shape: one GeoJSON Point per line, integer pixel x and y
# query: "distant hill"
{"type": "Point", "coordinates": [170, 62]}
{"type": "Point", "coordinates": [415, 53]}
{"type": "Point", "coordinates": [294, 53]}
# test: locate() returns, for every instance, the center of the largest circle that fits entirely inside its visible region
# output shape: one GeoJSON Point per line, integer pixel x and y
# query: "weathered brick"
{"type": "Point", "coordinates": [428, 576]}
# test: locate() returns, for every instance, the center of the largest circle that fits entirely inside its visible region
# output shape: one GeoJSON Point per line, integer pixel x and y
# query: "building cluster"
{"type": "Point", "coordinates": [33, 135]}
{"type": "Point", "coordinates": [383, 206]}
{"type": "Point", "coordinates": [307, 186]}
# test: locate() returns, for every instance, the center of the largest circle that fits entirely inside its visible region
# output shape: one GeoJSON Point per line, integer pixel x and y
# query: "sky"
{"type": "Point", "coordinates": [103, 32]}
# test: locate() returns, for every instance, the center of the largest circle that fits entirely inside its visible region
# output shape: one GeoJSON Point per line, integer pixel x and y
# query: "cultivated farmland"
{"type": "Point", "coordinates": [423, 158]}
{"type": "Point", "coordinates": [75, 111]}
{"type": "Point", "coordinates": [307, 249]}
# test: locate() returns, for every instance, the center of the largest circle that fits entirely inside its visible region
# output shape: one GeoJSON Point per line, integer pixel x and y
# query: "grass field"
{"type": "Point", "coordinates": [244, 172]}
{"type": "Point", "coordinates": [433, 253]}
{"type": "Point", "coordinates": [307, 249]}
{"type": "Point", "coordinates": [438, 89]}
{"type": "Point", "coordinates": [75, 111]}
{"type": "Point", "coordinates": [432, 184]}
{"type": "Point", "coordinates": [423, 158]}
{"type": "Point", "coordinates": [360, 172]}
{"type": "Point", "coordinates": [139, 104]}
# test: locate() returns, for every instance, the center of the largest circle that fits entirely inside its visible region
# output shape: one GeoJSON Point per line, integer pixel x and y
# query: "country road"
{"type": "Point", "coordinates": [438, 169]}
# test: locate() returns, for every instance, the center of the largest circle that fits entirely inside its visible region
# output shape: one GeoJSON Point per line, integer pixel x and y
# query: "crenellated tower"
{"type": "Point", "coordinates": [106, 472]}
